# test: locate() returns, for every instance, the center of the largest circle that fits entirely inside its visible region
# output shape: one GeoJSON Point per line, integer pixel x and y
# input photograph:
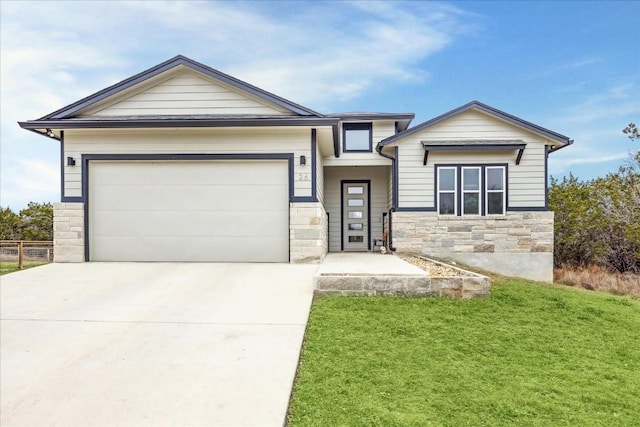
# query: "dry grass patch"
{"type": "Point", "coordinates": [599, 279]}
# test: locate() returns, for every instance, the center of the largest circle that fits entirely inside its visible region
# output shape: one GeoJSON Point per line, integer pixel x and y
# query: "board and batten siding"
{"type": "Point", "coordinates": [526, 181]}
{"type": "Point", "coordinates": [187, 92]}
{"type": "Point", "coordinates": [333, 177]}
{"type": "Point", "coordinates": [196, 141]}
{"type": "Point", "coordinates": [381, 129]}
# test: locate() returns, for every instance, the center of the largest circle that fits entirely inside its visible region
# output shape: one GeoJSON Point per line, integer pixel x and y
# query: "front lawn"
{"type": "Point", "coordinates": [11, 266]}
{"type": "Point", "coordinates": [530, 355]}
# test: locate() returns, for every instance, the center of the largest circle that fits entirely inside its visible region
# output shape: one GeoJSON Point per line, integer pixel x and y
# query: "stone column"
{"type": "Point", "coordinates": [308, 239]}
{"type": "Point", "coordinates": [68, 232]}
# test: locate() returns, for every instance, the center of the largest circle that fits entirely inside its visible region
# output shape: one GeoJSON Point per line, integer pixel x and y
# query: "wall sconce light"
{"type": "Point", "coordinates": [71, 161]}
{"type": "Point", "coordinates": [303, 160]}
{"type": "Point", "coordinates": [50, 133]}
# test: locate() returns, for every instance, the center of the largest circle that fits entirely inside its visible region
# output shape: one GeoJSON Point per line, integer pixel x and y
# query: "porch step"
{"type": "Point", "coordinates": [375, 274]}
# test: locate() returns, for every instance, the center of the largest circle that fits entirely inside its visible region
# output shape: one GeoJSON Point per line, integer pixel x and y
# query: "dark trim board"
{"type": "Point", "coordinates": [356, 126]}
{"type": "Point", "coordinates": [314, 166]}
{"type": "Point", "coordinates": [396, 185]}
{"type": "Point", "coordinates": [459, 167]}
{"type": "Point", "coordinates": [143, 123]}
{"type": "Point", "coordinates": [87, 158]}
{"type": "Point", "coordinates": [546, 176]}
{"type": "Point", "coordinates": [355, 181]}
{"type": "Point", "coordinates": [62, 165]}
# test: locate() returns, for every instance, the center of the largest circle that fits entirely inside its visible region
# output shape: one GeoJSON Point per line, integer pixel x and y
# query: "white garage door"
{"type": "Point", "coordinates": [236, 211]}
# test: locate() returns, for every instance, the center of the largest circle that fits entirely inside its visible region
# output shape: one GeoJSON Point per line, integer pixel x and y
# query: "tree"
{"type": "Point", "coordinates": [10, 224]}
{"type": "Point", "coordinates": [631, 131]}
{"type": "Point", "coordinates": [598, 221]}
{"type": "Point", "coordinates": [37, 221]}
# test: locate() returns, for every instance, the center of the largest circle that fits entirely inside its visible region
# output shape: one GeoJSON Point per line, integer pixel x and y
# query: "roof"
{"type": "Point", "coordinates": [564, 140]}
{"type": "Point", "coordinates": [176, 121]}
{"type": "Point", "coordinates": [90, 100]}
{"type": "Point", "coordinates": [403, 119]}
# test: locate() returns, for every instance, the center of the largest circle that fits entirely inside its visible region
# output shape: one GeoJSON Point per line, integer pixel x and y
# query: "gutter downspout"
{"type": "Point", "coordinates": [393, 187]}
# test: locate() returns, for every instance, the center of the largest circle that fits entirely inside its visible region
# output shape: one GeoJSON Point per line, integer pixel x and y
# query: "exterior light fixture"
{"type": "Point", "coordinates": [50, 133]}
{"type": "Point", "coordinates": [303, 160]}
{"type": "Point", "coordinates": [71, 161]}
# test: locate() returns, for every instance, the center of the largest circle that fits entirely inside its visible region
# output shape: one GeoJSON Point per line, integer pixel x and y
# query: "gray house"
{"type": "Point", "coordinates": [184, 163]}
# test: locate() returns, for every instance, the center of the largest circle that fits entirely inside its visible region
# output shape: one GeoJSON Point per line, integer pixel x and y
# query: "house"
{"type": "Point", "coordinates": [184, 163]}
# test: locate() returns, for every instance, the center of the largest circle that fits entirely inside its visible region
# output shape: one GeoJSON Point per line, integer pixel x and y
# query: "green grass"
{"type": "Point", "coordinates": [10, 267]}
{"type": "Point", "coordinates": [530, 355]}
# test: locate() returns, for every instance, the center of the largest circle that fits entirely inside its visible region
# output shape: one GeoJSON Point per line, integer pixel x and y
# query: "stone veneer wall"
{"type": "Point", "coordinates": [68, 232]}
{"type": "Point", "coordinates": [516, 244]}
{"type": "Point", "coordinates": [308, 238]}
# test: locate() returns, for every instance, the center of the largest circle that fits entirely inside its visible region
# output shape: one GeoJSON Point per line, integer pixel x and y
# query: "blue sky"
{"type": "Point", "coordinates": [572, 67]}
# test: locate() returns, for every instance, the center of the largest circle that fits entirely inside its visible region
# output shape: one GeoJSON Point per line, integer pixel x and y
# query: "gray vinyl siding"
{"type": "Point", "coordinates": [184, 141]}
{"type": "Point", "coordinates": [379, 198]}
{"type": "Point", "coordinates": [526, 181]}
{"type": "Point", "coordinates": [186, 92]}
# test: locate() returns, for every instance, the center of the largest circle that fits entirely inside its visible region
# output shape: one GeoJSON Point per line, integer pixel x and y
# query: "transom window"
{"type": "Point", "coordinates": [471, 190]}
{"type": "Point", "coordinates": [356, 137]}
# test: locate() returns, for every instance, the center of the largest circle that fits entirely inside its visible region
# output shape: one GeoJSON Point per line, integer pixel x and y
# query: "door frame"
{"type": "Point", "coordinates": [355, 181]}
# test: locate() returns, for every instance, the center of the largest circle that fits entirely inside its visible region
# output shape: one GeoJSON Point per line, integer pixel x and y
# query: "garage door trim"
{"type": "Point", "coordinates": [86, 158]}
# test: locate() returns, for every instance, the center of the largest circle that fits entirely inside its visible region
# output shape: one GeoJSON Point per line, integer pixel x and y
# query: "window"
{"type": "Point", "coordinates": [356, 137]}
{"type": "Point", "coordinates": [479, 190]}
{"type": "Point", "coordinates": [495, 194]}
{"type": "Point", "coordinates": [471, 191]}
{"type": "Point", "coordinates": [447, 191]}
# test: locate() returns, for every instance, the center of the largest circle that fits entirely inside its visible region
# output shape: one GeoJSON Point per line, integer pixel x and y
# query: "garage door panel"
{"type": "Point", "coordinates": [188, 224]}
{"type": "Point", "coordinates": [217, 197]}
{"type": "Point", "coordinates": [191, 250]}
{"type": "Point", "coordinates": [123, 173]}
{"type": "Point", "coordinates": [181, 211]}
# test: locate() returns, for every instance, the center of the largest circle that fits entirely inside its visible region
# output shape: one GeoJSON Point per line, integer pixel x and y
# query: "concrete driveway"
{"type": "Point", "coordinates": [134, 344]}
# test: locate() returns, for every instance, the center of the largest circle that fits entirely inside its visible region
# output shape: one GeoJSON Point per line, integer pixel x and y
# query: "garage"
{"type": "Point", "coordinates": [201, 211]}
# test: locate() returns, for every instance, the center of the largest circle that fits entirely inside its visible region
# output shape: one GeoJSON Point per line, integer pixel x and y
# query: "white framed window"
{"type": "Point", "coordinates": [495, 194]}
{"type": "Point", "coordinates": [447, 184]}
{"type": "Point", "coordinates": [471, 190]}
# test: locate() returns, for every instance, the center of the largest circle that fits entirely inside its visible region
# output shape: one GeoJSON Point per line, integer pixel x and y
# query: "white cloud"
{"type": "Point", "coordinates": [29, 180]}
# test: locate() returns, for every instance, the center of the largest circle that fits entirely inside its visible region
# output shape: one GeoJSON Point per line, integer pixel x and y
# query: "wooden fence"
{"type": "Point", "coordinates": [22, 251]}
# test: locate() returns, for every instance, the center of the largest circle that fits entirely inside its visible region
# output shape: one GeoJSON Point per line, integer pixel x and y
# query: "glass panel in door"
{"type": "Point", "coordinates": [355, 216]}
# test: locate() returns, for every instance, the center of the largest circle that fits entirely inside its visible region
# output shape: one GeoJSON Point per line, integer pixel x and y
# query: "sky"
{"type": "Point", "coordinates": [572, 67]}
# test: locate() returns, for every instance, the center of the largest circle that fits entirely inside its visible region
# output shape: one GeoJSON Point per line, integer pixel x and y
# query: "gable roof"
{"type": "Point", "coordinates": [90, 100]}
{"type": "Point", "coordinates": [564, 140]}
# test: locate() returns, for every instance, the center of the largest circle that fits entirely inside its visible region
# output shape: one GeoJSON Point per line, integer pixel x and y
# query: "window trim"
{"type": "Point", "coordinates": [478, 191]}
{"type": "Point", "coordinates": [503, 191]}
{"type": "Point", "coordinates": [357, 126]}
{"type": "Point", "coordinates": [458, 192]}
{"type": "Point", "coordinates": [454, 191]}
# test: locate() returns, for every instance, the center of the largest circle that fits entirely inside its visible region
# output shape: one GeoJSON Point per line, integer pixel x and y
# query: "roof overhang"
{"type": "Point", "coordinates": [175, 122]}
{"type": "Point", "coordinates": [474, 145]}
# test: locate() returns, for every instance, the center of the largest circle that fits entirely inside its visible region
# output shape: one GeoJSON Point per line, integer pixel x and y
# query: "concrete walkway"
{"type": "Point", "coordinates": [369, 263]}
{"type": "Point", "coordinates": [151, 344]}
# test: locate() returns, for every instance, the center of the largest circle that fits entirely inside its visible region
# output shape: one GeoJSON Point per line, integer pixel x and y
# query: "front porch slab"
{"type": "Point", "coordinates": [376, 274]}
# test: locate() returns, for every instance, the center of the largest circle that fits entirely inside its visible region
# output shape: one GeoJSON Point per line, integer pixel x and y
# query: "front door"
{"type": "Point", "coordinates": [355, 215]}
